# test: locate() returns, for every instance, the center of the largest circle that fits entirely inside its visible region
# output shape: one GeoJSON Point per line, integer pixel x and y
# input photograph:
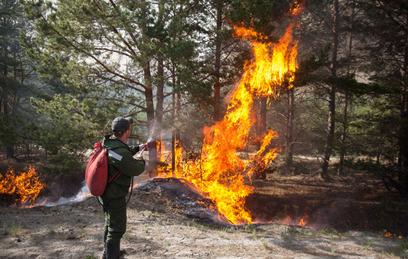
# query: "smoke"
{"type": "Point", "coordinates": [152, 131]}
{"type": "Point", "coordinates": [82, 194]}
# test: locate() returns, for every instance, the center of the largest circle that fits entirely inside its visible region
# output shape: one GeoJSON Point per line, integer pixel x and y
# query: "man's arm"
{"type": "Point", "coordinates": [135, 149]}
{"type": "Point", "coordinates": [123, 160]}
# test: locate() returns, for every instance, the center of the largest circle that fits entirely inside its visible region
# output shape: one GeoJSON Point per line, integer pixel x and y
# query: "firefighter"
{"type": "Point", "coordinates": [120, 158]}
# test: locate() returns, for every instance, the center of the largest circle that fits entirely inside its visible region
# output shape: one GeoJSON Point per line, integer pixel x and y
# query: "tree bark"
{"type": "Point", "coordinates": [160, 88]}
{"type": "Point", "coordinates": [403, 131]}
{"type": "Point", "coordinates": [176, 109]}
{"type": "Point", "coordinates": [151, 120]}
{"type": "Point", "coordinates": [217, 116]}
{"type": "Point", "coordinates": [173, 115]}
{"type": "Point", "coordinates": [7, 107]}
{"type": "Point", "coordinates": [159, 101]}
{"type": "Point", "coordinates": [346, 102]}
{"type": "Point", "coordinates": [332, 95]}
{"type": "Point", "coordinates": [150, 112]}
{"type": "Point", "coordinates": [343, 134]}
{"type": "Point", "coordinates": [289, 128]}
{"type": "Point", "coordinates": [263, 111]}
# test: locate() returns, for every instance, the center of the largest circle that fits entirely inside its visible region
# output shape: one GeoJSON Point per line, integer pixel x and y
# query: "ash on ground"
{"type": "Point", "coordinates": [184, 196]}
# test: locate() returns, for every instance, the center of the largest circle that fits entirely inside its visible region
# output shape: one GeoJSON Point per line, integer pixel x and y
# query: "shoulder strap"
{"type": "Point", "coordinates": [118, 157]}
{"type": "Point", "coordinates": [114, 177]}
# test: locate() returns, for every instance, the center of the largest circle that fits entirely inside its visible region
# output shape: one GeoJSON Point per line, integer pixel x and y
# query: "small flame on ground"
{"type": "Point", "coordinates": [388, 234]}
{"type": "Point", "coordinates": [302, 222]}
{"type": "Point", "coordinates": [22, 187]}
{"type": "Point", "coordinates": [288, 220]}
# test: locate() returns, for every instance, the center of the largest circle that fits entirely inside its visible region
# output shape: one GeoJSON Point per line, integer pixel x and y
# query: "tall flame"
{"type": "Point", "coordinates": [219, 174]}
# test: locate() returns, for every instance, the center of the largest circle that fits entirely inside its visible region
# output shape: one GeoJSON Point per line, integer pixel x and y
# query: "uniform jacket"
{"type": "Point", "coordinates": [120, 157]}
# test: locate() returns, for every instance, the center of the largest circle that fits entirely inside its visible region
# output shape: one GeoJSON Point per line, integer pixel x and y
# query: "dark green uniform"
{"type": "Point", "coordinates": [120, 157]}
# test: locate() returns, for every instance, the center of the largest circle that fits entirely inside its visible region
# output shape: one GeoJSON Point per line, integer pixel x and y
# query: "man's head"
{"type": "Point", "coordinates": [120, 125]}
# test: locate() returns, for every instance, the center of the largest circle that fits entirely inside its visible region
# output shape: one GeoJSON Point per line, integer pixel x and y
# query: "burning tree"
{"type": "Point", "coordinates": [219, 174]}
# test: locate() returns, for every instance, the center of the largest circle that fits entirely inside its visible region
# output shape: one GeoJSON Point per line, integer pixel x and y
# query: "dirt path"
{"type": "Point", "coordinates": [159, 227]}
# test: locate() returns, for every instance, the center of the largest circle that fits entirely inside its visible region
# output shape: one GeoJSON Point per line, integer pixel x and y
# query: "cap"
{"type": "Point", "coordinates": [121, 124]}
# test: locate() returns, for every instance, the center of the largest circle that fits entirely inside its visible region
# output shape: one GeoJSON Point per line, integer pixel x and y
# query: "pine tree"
{"type": "Point", "coordinates": [14, 71]}
{"type": "Point", "coordinates": [119, 52]}
{"type": "Point", "coordinates": [387, 46]}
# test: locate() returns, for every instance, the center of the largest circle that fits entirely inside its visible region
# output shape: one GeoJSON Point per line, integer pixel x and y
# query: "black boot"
{"type": "Point", "coordinates": [113, 249]}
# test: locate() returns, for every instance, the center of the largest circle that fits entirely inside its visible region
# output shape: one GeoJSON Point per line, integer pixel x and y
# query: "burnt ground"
{"type": "Point", "coordinates": [354, 202]}
{"type": "Point", "coordinates": [346, 217]}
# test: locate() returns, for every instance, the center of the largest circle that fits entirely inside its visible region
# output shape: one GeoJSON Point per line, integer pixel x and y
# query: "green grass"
{"type": "Point", "coordinates": [254, 233]}
{"type": "Point", "coordinates": [286, 237]}
{"type": "Point", "coordinates": [15, 230]}
{"type": "Point", "coordinates": [266, 245]}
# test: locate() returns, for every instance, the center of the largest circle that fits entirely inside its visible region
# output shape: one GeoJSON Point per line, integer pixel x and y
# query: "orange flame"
{"type": "Point", "coordinates": [388, 234]}
{"type": "Point", "coordinates": [166, 169]}
{"type": "Point", "coordinates": [163, 170]}
{"type": "Point", "coordinates": [23, 187]}
{"type": "Point", "coordinates": [302, 222]}
{"type": "Point", "coordinates": [219, 174]}
{"type": "Point", "coordinates": [178, 172]}
{"type": "Point", "coordinates": [289, 221]}
{"type": "Point", "coordinates": [297, 7]}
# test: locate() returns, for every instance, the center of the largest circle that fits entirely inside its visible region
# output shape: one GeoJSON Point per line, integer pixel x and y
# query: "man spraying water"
{"type": "Point", "coordinates": [120, 159]}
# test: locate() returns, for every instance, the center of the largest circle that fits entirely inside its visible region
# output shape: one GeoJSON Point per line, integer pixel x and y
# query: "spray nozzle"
{"type": "Point", "coordinates": [146, 145]}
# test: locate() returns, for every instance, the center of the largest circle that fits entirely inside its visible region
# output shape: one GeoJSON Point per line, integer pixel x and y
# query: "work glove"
{"type": "Point", "coordinates": [145, 146]}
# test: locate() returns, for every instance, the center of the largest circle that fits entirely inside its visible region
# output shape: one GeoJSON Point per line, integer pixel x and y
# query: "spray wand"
{"type": "Point", "coordinates": [139, 154]}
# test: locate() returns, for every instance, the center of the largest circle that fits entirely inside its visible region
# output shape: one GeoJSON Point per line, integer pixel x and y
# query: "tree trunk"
{"type": "Point", "coordinates": [263, 111]}
{"type": "Point", "coordinates": [346, 102]}
{"type": "Point", "coordinates": [289, 127]}
{"type": "Point", "coordinates": [217, 68]}
{"type": "Point", "coordinates": [332, 96]}
{"type": "Point", "coordinates": [160, 88]}
{"type": "Point", "coordinates": [151, 121]}
{"type": "Point", "coordinates": [173, 115]}
{"type": "Point", "coordinates": [6, 108]}
{"type": "Point", "coordinates": [149, 103]}
{"type": "Point", "coordinates": [330, 135]}
{"type": "Point", "coordinates": [403, 177]}
{"type": "Point", "coordinates": [176, 109]}
{"type": "Point", "coordinates": [343, 135]}
{"type": "Point", "coordinates": [159, 101]}
{"type": "Point", "coordinates": [403, 131]}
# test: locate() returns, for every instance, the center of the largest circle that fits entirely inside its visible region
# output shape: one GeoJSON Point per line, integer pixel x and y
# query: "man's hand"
{"type": "Point", "coordinates": [144, 147]}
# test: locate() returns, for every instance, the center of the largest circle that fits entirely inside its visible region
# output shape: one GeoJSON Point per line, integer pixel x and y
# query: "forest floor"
{"type": "Point", "coordinates": [346, 217]}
